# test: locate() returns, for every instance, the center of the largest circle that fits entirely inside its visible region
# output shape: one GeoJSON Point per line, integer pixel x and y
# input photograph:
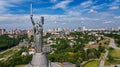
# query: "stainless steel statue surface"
{"type": "Point", "coordinates": [38, 32]}
{"type": "Point", "coordinates": [39, 59]}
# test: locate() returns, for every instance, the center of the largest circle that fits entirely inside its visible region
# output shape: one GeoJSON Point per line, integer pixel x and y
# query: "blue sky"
{"type": "Point", "coordinates": [60, 13]}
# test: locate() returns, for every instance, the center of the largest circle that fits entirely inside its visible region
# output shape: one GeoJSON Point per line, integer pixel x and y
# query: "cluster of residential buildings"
{"type": "Point", "coordinates": [16, 31]}
{"type": "Point", "coordinates": [54, 30]}
{"type": "Point", "coordinates": [2, 31]}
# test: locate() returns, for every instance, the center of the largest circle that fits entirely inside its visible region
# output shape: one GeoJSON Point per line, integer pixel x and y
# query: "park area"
{"type": "Point", "coordinates": [92, 63]}
{"type": "Point", "coordinates": [114, 57]}
{"type": "Point", "coordinates": [115, 53]}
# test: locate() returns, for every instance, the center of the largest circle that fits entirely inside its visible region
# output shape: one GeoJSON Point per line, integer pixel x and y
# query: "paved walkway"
{"type": "Point", "coordinates": [112, 44]}
{"type": "Point", "coordinates": [102, 62]}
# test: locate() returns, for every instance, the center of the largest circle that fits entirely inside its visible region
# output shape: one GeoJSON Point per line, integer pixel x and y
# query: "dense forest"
{"type": "Point", "coordinates": [7, 42]}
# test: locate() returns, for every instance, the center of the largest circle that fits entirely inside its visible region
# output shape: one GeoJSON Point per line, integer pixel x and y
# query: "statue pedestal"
{"type": "Point", "coordinates": [39, 60]}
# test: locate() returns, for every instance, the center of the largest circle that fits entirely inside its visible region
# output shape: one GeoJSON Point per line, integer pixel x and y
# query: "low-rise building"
{"type": "Point", "coordinates": [2, 31]}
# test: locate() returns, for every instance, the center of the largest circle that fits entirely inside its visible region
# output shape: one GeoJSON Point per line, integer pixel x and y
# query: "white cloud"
{"type": "Point", "coordinates": [117, 17]}
{"type": "Point", "coordinates": [55, 22]}
{"type": "Point", "coordinates": [13, 21]}
{"type": "Point", "coordinates": [108, 22]}
{"type": "Point", "coordinates": [64, 23]}
{"type": "Point", "coordinates": [22, 21]}
{"type": "Point", "coordinates": [62, 4]}
{"type": "Point", "coordinates": [74, 13]}
{"type": "Point", "coordinates": [86, 4]}
{"type": "Point", "coordinates": [53, 1]}
{"type": "Point", "coordinates": [10, 21]}
{"type": "Point", "coordinates": [99, 6]}
{"type": "Point", "coordinates": [114, 7]}
{"type": "Point", "coordinates": [92, 11]}
{"type": "Point", "coordinates": [114, 4]}
{"type": "Point", "coordinates": [4, 4]}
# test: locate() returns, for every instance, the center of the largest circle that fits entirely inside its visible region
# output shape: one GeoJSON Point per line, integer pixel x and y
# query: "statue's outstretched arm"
{"type": "Point", "coordinates": [31, 17]}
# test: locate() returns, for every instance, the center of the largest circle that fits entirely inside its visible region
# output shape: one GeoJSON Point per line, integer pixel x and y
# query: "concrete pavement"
{"type": "Point", "coordinates": [112, 44]}
{"type": "Point", "coordinates": [103, 58]}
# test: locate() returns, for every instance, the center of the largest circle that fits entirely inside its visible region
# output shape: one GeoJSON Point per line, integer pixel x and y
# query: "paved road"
{"type": "Point", "coordinates": [103, 59]}
{"type": "Point", "coordinates": [112, 44]}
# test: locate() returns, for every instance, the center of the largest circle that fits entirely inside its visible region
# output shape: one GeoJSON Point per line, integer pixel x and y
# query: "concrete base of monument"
{"type": "Point", "coordinates": [39, 60]}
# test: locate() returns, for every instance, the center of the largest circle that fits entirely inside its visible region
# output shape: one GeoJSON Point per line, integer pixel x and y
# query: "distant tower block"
{"type": "Point", "coordinates": [84, 28]}
{"type": "Point", "coordinates": [39, 59]}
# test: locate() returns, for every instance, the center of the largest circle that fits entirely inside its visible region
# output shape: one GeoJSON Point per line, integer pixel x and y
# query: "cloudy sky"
{"type": "Point", "coordinates": [60, 13]}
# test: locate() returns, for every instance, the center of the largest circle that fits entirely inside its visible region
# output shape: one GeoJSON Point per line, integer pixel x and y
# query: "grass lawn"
{"type": "Point", "coordinates": [93, 63]}
{"type": "Point", "coordinates": [21, 66]}
{"type": "Point", "coordinates": [115, 53]}
{"type": "Point", "coordinates": [112, 62]}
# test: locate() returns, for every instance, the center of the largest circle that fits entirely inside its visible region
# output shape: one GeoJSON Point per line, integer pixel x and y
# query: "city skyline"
{"type": "Point", "coordinates": [61, 13]}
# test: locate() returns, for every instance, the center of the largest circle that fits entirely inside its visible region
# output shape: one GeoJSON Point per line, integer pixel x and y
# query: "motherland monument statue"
{"type": "Point", "coordinates": [37, 32]}
{"type": "Point", "coordinates": [39, 58]}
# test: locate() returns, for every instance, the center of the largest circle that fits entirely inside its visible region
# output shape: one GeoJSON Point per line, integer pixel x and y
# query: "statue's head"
{"type": "Point", "coordinates": [42, 19]}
